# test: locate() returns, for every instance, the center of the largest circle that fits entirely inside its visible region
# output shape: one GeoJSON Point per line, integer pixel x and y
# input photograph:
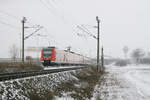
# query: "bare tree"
{"type": "Point", "coordinates": [14, 52]}
{"type": "Point", "coordinates": [125, 50]}
{"type": "Point", "coordinates": [137, 55]}
{"type": "Point", "coordinates": [148, 54]}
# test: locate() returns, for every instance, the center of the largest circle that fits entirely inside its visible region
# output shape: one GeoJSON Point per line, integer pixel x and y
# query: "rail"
{"type": "Point", "coordinates": [16, 75]}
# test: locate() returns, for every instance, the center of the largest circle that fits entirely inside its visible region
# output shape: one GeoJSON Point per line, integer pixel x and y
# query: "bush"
{"type": "Point", "coordinates": [121, 63]}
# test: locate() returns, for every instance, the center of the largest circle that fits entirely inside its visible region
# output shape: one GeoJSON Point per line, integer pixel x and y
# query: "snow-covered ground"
{"type": "Point", "coordinates": [124, 83]}
{"type": "Point", "coordinates": [118, 83]}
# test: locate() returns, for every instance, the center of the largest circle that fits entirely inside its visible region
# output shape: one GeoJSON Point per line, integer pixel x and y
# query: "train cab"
{"type": "Point", "coordinates": [47, 55]}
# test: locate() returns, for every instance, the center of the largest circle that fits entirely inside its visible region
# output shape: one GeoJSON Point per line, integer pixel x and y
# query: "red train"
{"type": "Point", "coordinates": [51, 56]}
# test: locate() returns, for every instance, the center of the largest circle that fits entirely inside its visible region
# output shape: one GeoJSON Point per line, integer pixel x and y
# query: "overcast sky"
{"type": "Point", "coordinates": [123, 23]}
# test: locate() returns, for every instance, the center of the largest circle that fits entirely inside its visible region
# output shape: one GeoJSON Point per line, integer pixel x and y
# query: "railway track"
{"type": "Point", "coordinates": [16, 75]}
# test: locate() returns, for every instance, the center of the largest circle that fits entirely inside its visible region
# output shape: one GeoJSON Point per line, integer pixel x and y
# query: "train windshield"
{"type": "Point", "coordinates": [47, 52]}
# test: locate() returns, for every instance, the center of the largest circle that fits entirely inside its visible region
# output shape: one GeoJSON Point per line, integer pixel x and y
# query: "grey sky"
{"type": "Point", "coordinates": [123, 22]}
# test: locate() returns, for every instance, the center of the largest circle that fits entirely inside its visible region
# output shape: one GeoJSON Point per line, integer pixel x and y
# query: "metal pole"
{"type": "Point", "coordinates": [102, 58]}
{"type": "Point", "coordinates": [98, 21]}
{"type": "Point", "coordinates": [23, 21]}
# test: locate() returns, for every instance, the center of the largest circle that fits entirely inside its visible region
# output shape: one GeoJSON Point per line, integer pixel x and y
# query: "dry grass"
{"type": "Point", "coordinates": [41, 96]}
{"type": "Point", "coordinates": [82, 88]}
{"type": "Point", "coordinates": [18, 66]}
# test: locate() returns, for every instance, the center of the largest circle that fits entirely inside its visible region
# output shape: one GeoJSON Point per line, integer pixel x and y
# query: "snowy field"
{"type": "Point", "coordinates": [124, 83]}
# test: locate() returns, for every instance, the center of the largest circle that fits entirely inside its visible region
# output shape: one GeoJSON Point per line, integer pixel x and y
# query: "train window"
{"type": "Point", "coordinates": [47, 52]}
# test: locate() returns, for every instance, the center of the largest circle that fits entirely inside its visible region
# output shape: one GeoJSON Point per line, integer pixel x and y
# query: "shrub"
{"type": "Point", "coordinates": [121, 63]}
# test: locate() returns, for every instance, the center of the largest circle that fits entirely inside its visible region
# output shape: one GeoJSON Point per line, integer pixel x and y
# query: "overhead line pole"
{"type": "Point", "coordinates": [23, 22]}
{"type": "Point", "coordinates": [98, 21]}
{"type": "Point", "coordinates": [102, 58]}
{"type": "Point", "coordinates": [98, 41]}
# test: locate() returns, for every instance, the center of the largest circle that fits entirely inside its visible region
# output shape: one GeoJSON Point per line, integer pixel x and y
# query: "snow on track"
{"type": "Point", "coordinates": [60, 67]}
{"type": "Point", "coordinates": [124, 83]}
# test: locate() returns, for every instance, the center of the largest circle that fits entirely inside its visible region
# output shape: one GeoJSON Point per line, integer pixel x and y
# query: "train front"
{"type": "Point", "coordinates": [48, 56]}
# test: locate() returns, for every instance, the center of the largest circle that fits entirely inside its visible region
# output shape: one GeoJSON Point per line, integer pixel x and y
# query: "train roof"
{"type": "Point", "coordinates": [76, 53]}
{"type": "Point", "coordinates": [51, 47]}
{"type": "Point", "coordinates": [67, 51]}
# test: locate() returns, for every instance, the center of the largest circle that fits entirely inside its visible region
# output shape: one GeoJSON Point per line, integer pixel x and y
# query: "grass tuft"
{"type": "Point", "coordinates": [18, 67]}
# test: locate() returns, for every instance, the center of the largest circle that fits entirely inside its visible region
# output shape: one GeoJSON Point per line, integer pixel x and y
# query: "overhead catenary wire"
{"type": "Point", "coordinates": [52, 8]}
{"type": "Point", "coordinates": [12, 26]}
{"type": "Point", "coordinates": [86, 32]}
{"type": "Point", "coordinates": [10, 15]}
{"type": "Point", "coordinates": [86, 29]}
{"type": "Point", "coordinates": [17, 19]}
{"type": "Point", "coordinates": [63, 19]}
{"type": "Point", "coordinates": [83, 27]}
{"type": "Point", "coordinates": [53, 38]}
{"type": "Point", "coordinates": [33, 33]}
{"type": "Point", "coordinates": [49, 6]}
